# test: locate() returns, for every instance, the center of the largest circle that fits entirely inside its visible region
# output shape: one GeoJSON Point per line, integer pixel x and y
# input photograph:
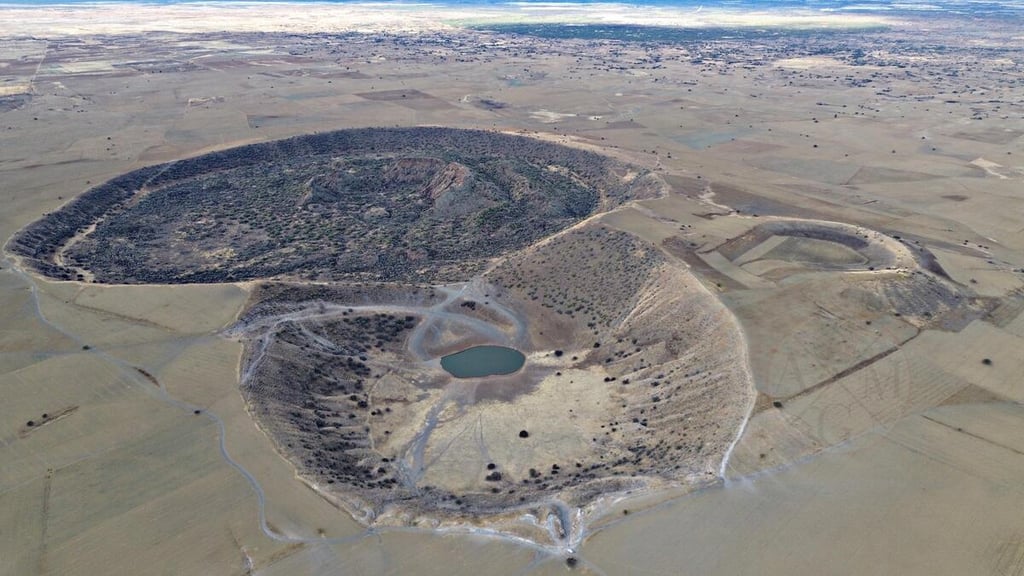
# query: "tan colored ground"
{"type": "Point", "coordinates": [908, 464]}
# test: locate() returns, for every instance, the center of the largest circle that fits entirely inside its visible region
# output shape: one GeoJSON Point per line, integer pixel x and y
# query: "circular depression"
{"type": "Point", "coordinates": [374, 204]}
{"type": "Point", "coordinates": [384, 222]}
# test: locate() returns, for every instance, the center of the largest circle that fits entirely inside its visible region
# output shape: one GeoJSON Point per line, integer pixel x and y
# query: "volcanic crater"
{"type": "Point", "coordinates": [372, 253]}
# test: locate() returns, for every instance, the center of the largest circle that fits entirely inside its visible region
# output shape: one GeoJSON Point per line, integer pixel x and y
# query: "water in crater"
{"type": "Point", "coordinates": [480, 361]}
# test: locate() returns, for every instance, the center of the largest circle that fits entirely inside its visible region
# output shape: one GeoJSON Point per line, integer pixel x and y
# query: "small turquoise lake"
{"type": "Point", "coordinates": [480, 361]}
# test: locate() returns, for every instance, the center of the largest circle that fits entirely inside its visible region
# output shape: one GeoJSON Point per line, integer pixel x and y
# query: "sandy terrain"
{"type": "Point", "coordinates": [891, 447]}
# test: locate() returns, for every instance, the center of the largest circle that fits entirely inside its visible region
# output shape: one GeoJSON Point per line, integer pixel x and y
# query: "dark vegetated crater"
{"type": "Point", "coordinates": [364, 204]}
